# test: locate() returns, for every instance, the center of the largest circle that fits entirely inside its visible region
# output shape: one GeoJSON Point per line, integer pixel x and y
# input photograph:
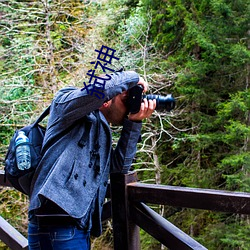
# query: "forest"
{"type": "Point", "coordinates": [196, 50]}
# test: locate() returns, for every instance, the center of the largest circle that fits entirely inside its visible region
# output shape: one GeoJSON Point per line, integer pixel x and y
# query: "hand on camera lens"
{"type": "Point", "coordinates": [147, 108]}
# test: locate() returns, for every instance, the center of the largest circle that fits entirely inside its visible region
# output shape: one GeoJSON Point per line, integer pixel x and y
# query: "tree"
{"type": "Point", "coordinates": [205, 45]}
{"type": "Point", "coordinates": [42, 48]}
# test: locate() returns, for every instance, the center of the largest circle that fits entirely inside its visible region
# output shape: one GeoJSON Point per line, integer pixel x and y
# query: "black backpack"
{"type": "Point", "coordinates": [21, 179]}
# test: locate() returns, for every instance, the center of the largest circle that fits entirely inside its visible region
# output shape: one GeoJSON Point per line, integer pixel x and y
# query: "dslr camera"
{"type": "Point", "coordinates": [135, 97]}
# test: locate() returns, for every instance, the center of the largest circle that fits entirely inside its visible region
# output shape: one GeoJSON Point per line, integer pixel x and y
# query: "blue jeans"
{"type": "Point", "coordinates": [57, 238]}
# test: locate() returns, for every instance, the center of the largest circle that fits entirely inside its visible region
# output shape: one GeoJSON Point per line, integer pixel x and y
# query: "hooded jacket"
{"type": "Point", "coordinates": [73, 173]}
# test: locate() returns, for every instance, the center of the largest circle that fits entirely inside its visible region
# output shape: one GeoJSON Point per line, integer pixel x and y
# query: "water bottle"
{"type": "Point", "coordinates": [23, 156]}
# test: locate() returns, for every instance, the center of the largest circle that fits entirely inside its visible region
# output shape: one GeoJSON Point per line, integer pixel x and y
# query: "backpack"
{"type": "Point", "coordinates": [21, 179]}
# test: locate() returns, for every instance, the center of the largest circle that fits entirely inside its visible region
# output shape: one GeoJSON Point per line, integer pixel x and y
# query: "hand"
{"type": "Point", "coordinates": [147, 108]}
{"type": "Point", "coordinates": [144, 84]}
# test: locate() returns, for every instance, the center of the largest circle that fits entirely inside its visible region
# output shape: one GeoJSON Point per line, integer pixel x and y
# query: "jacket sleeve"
{"type": "Point", "coordinates": [124, 153]}
{"type": "Point", "coordinates": [71, 104]}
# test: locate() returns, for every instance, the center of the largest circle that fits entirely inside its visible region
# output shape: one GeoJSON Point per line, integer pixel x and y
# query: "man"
{"type": "Point", "coordinates": [70, 184]}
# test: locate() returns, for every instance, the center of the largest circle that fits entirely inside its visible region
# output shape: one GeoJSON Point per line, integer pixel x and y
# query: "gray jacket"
{"type": "Point", "coordinates": [67, 174]}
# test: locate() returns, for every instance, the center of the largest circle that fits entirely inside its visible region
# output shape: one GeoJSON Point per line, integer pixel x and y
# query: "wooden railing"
{"type": "Point", "coordinates": [8, 234]}
{"type": "Point", "coordinates": [129, 212]}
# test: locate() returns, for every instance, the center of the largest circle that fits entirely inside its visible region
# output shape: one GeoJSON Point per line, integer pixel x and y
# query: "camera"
{"type": "Point", "coordinates": [135, 97]}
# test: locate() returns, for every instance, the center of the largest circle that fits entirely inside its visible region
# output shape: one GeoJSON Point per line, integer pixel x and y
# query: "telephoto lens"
{"type": "Point", "coordinates": [162, 102]}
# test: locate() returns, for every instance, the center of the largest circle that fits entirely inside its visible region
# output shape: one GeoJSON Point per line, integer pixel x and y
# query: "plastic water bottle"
{"type": "Point", "coordinates": [23, 156]}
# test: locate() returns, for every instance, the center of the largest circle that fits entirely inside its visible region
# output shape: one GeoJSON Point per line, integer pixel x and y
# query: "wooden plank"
{"type": "Point", "coordinates": [208, 199]}
{"type": "Point", "coordinates": [161, 229]}
{"type": "Point", "coordinates": [11, 237]}
{"type": "Point", "coordinates": [2, 181]}
{"type": "Point", "coordinates": [125, 231]}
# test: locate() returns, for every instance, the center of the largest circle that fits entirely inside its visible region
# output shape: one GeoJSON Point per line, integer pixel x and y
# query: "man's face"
{"type": "Point", "coordinates": [117, 109]}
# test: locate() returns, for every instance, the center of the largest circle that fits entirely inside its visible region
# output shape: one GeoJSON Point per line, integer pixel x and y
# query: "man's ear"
{"type": "Point", "coordinates": [104, 108]}
{"type": "Point", "coordinates": [105, 104]}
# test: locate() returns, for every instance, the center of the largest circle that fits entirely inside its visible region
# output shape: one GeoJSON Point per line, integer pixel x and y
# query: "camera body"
{"type": "Point", "coordinates": [135, 97]}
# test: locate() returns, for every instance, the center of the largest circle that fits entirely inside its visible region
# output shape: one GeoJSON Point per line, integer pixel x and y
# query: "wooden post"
{"type": "Point", "coordinates": [126, 233]}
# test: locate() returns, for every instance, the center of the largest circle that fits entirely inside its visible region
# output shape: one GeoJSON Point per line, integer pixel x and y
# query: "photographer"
{"type": "Point", "coordinates": [70, 185]}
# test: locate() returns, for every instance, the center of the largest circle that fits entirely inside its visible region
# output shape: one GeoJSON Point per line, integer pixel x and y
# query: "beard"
{"type": "Point", "coordinates": [117, 113]}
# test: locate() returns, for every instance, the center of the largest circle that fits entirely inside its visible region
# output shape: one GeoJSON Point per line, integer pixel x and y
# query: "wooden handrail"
{"type": "Point", "coordinates": [161, 229]}
{"type": "Point", "coordinates": [129, 212]}
{"type": "Point", "coordinates": [208, 199]}
{"type": "Point", "coordinates": [11, 237]}
{"type": "Point", "coordinates": [134, 194]}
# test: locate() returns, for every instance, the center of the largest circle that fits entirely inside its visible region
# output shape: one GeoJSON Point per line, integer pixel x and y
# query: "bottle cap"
{"type": "Point", "coordinates": [21, 138]}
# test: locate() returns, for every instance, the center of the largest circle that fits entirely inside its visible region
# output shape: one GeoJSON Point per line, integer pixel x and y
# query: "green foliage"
{"type": "Point", "coordinates": [198, 50]}
{"type": "Point", "coordinates": [223, 235]}
{"type": "Point", "coordinates": [148, 242]}
{"type": "Point", "coordinates": [14, 208]}
{"type": "Point", "coordinates": [205, 45]}
{"type": "Point", "coordinates": [41, 49]}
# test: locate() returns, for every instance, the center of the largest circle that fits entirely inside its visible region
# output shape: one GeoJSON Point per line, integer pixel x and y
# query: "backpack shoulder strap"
{"type": "Point", "coordinates": [43, 115]}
